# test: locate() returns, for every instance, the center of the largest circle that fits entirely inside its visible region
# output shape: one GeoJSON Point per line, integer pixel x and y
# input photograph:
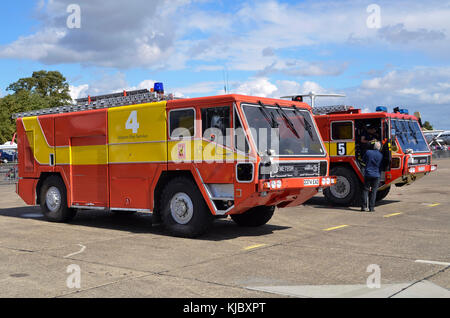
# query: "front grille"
{"type": "Point", "coordinates": [420, 160]}
{"type": "Point", "coordinates": [296, 170]}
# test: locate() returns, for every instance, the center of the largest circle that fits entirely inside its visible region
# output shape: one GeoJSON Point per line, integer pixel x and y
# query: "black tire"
{"type": "Point", "coordinates": [256, 216]}
{"type": "Point", "coordinates": [381, 194]}
{"type": "Point", "coordinates": [59, 211]}
{"type": "Point", "coordinates": [182, 193]}
{"type": "Point", "coordinates": [347, 190]}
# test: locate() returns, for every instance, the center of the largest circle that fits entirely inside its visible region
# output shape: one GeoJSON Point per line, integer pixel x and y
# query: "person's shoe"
{"type": "Point", "coordinates": [364, 210]}
{"type": "Point", "coordinates": [372, 210]}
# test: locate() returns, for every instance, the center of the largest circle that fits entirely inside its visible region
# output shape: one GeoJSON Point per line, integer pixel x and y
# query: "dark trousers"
{"type": "Point", "coordinates": [369, 193]}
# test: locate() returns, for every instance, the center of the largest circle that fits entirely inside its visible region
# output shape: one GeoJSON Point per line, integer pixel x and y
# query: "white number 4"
{"type": "Point", "coordinates": [132, 122]}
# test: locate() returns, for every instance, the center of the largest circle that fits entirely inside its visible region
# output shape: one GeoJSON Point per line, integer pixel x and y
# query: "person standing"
{"type": "Point", "coordinates": [372, 173]}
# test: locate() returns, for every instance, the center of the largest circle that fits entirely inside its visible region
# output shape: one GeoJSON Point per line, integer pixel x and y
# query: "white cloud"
{"type": "Point", "coordinates": [424, 89]}
{"type": "Point", "coordinates": [169, 34]}
{"type": "Point", "coordinates": [257, 87]}
{"type": "Point", "coordinates": [140, 33]}
{"type": "Point", "coordinates": [78, 91]}
{"type": "Point", "coordinates": [263, 87]}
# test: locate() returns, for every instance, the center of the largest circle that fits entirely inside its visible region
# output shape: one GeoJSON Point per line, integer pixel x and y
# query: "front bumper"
{"type": "Point", "coordinates": [414, 173]}
{"type": "Point", "coordinates": [295, 183]}
{"type": "Point", "coordinates": [421, 169]}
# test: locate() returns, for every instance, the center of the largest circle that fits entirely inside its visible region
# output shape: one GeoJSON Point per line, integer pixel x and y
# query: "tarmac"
{"type": "Point", "coordinates": [314, 250]}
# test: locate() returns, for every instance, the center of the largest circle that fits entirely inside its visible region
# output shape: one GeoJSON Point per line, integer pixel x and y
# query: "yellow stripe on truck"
{"type": "Point", "coordinates": [39, 145]}
{"type": "Point", "coordinates": [341, 148]}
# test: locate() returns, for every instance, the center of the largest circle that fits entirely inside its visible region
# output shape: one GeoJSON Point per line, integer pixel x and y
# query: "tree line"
{"type": "Point", "coordinates": [43, 89]}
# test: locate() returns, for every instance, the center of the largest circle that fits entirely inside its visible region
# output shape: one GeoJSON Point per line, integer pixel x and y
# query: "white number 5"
{"type": "Point", "coordinates": [132, 122]}
{"type": "Point", "coordinates": [341, 149]}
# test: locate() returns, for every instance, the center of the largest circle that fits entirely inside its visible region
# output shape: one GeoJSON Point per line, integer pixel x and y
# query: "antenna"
{"type": "Point", "coordinates": [313, 96]}
{"type": "Point", "coordinates": [225, 79]}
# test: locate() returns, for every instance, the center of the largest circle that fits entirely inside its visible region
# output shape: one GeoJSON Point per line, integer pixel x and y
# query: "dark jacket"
{"type": "Point", "coordinates": [372, 159]}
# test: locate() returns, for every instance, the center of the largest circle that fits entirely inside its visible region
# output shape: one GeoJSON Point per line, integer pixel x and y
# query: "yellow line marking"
{"type": "Point", "coordinates": [254, 246]}
{"type": "Point", "coordinates": [336, 227]}
{"type": "Point", "coordinates": [392, 214]}
{"type": "Point", "coordinates": [434, 204]}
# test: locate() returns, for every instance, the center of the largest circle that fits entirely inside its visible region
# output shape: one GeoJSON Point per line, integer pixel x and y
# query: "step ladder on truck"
{"type": "Point", "coordinates": [187, 161]}
{"type": "Point", "coordinates": [407, 155]}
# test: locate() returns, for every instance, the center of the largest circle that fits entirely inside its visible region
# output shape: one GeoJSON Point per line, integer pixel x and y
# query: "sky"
{"type": "Point", "coordinates": [377, 53]}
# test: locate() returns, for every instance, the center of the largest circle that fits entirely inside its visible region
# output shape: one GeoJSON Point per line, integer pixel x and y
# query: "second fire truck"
{"type": "Point", "coordinates": [185, 160]}
{"type": "Point", "coordinates": [407, 156]}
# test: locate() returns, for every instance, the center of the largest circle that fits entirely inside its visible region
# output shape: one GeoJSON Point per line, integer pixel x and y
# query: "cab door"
{"type": "Point", "coordinates": [342, 139]}
{"type": "Point", "coordinates": [217, 167]}
{"type": "Point", "coordinates": [386, 144]}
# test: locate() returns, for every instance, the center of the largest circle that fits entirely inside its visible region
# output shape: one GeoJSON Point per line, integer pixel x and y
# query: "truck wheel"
{"type": "Point", "coordinates": [53, 198]}
{"type": "Point", "coordinates": [184, 213]}
{"type": "Point", "coordinates": [256, 216]}
{"type": "Point", "coordinates": [347, 189]}
{"type": "Point", "coordinates": [381, 194]}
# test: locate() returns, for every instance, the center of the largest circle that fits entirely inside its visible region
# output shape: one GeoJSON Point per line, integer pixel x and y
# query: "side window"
{"type": "Point", "coordinates": [216, 124]}
{"type": "Point", "coordinates": [182, 123]}
{"type": "Point", "coordinates": [342, 130]}
{"type": "Point", "coordinates": [240, 141]}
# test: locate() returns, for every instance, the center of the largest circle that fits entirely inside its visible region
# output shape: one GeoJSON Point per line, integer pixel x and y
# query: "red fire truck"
{"type": "Point", "coordinates": [407, 156]}
{"type": "Point", "coordinates": [185, 160]}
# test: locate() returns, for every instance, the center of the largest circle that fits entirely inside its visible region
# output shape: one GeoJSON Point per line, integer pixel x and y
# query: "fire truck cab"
{"type": "Point", "coordinates": [185, 160]}
{"type": "Point", "coordinates": [407, 156]}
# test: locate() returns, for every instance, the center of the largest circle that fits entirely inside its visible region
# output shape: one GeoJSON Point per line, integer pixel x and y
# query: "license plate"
{"type": "Point", "coordinates": [311, 182]}
{"type": "Point", "coordinates": [421, 169]}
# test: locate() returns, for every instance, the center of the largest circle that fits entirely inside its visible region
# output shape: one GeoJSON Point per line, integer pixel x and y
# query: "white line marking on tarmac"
{"type": "Point", "coordinates": [80, 251]}
{"type": "Point", "coordinates": [432, 262]}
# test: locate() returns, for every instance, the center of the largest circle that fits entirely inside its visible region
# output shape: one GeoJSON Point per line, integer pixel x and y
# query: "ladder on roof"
{"type": "Point", "coordinates": [102, 101]}
{"type": "Point", "coordinates": [323, 110]}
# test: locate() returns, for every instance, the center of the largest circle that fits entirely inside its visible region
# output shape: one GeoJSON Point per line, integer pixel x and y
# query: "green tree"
{"type": "Point", "coordinates": [427, 125]}
{"type": "Point", "coordinates": [42, 90]}
{"type": "Point", "coordinates": [50, 85]}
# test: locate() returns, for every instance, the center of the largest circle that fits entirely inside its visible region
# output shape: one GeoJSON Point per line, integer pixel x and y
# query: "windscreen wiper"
{"type": "Point", "coordinates": [305, 123]}
{"type": "Point", "coordinates": [287, 120]}
{"type": "Point", "coordinates": [400, 132]}
{"type": "Point", "coordinates": [414, 133]}
{"type": "Point", "coordinates": [270, 119]}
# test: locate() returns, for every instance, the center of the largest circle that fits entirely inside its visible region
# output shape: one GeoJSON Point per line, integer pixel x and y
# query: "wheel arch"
{"type": "Point", "coordinates": [44, 176]}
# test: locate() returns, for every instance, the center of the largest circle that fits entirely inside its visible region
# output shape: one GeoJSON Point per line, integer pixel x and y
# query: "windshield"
{"type": "Point", "coordinates": [409, 135]}
{"type": "Point", "coordinates": [286, 131]}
